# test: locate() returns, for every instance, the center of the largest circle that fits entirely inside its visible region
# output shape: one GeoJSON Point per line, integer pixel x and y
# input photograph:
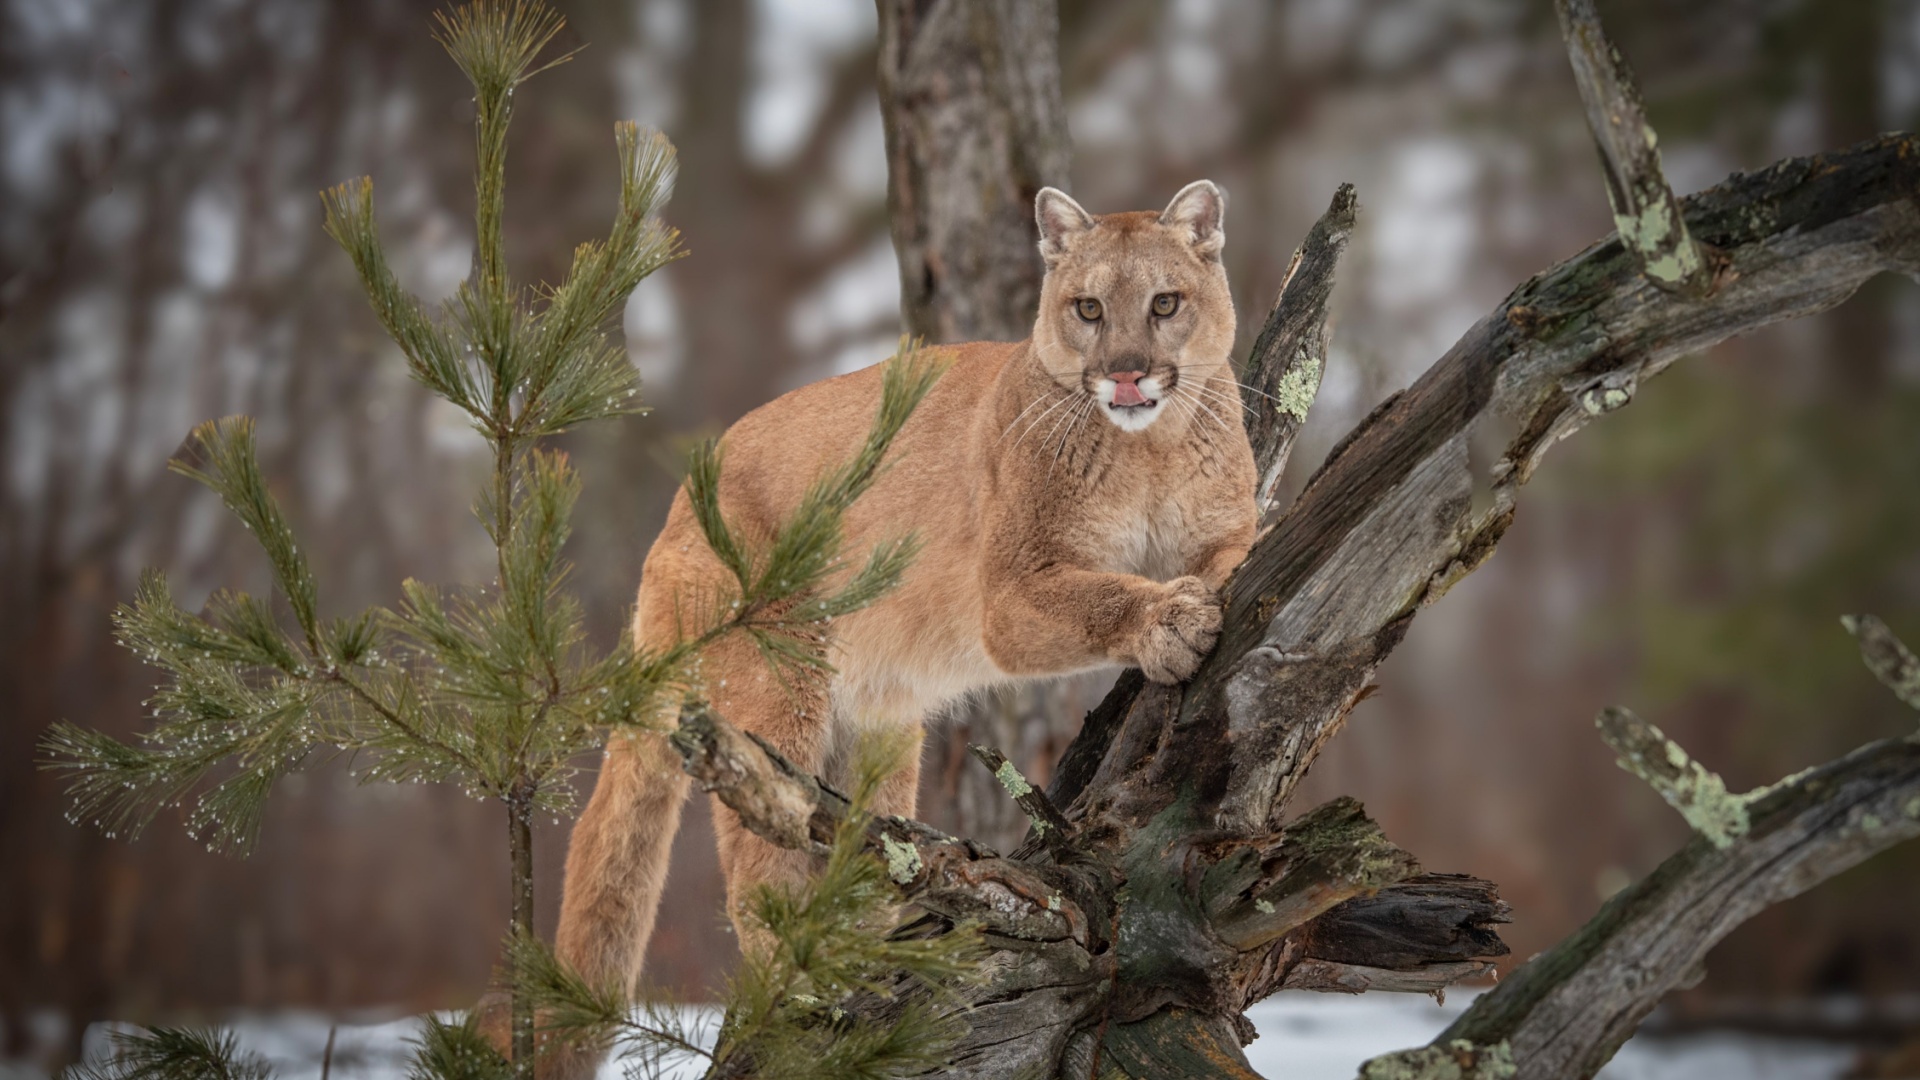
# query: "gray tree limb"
{"type": "Point", "coordinates": [1289, 357]}
{"type": "Point", "coordinates": [1890, 661]}
{"type": "Point", "coordinates": [1644, 210]}
{"type": "Point", "coordinates": [1566, 1012]}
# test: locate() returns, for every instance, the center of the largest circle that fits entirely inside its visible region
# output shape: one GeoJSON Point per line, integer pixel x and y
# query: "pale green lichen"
{"type": "Point", "coordinates": [903, 859]}
{"type": "Point", "coordinates": [1458, 1060]}
{"type": "Point", "coordinates": [1667, 255]}
{"type": "Point", "coordinates": [1872, 823]}
{"type": "Point", "coordinates": [1011, 779]}
{"type": "Point", "coordinates": [1053, 903]}
{"type": "Point", "coordinates": [1648, 229]}
{"type": "Point", "coordinates": [1604, 399]}
{"type": "Point", "coordinates": [1757, 794]}
{"type": "Point", "coordinates": [1264, 907]}
{"type": "Point", "coordinates": [1669, 268]}
{"type": "Point", "coordinates": [1913, 808]}
{"type": "Point", "coordinates": [1294, 396]}
{"type": "Point", "coordinates": [1704, 801]}
{"type": "Point", "coordinates": [1698, 794]}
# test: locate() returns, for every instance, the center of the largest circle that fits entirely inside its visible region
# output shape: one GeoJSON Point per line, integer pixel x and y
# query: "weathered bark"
{"type": "Point", "coordinates": [1566, 1013]}
{"type": "Point", "coordinates": [1644, 209]}
{"type": "Point", "coordinates": [1290, 356]}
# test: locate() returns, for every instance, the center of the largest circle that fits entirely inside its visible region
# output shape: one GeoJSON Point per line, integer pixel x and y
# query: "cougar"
{"type": "Point", "coordinates": [1079, 496]}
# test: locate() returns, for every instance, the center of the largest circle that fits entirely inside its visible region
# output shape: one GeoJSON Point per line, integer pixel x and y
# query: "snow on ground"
{"type": "Point", "coordinates": [1305, 1036]}
{"type": "Point", "coordinates": [1302, 1037]}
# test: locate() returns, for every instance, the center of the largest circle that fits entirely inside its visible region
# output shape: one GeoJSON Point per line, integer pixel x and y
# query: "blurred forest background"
{"type": "Point", "coordinates": [161, 262]}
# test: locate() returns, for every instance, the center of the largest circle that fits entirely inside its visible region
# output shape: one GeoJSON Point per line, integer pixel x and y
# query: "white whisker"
{"type": "Point", "coordinates": [1256, 390]}
{"type": "Point", "coordinates": [1236, 382]}
{"type": "Point", "coordinates": [1028, 430]}
{"type": "Point", "coordinates": [1051, 390]}
{"type": "Point", "coordinates": [1082, 413]}
{"type": "Point", "coordinates": [1223, 397]}
{"type": "Point", "coordinates": [1201, 404]}
{"type": "Point", "coordinates": [1058, 425]}
{"type": "Point", "coordinates": [1176, 399]}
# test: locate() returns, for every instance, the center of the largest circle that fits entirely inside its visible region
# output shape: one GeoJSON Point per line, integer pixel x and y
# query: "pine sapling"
{"type": "Point", "coordinates": [494, 689]}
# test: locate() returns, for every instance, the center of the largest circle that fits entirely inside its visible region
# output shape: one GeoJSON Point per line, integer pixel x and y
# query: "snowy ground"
{"type": "Point", "coordinates": [1302, 1037]}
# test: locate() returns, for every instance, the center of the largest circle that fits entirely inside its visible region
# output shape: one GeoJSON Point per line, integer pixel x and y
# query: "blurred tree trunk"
{"type": "Point", "coordinates": [970, 95]}
{"type": "Point", "coordinates": [970, 98]}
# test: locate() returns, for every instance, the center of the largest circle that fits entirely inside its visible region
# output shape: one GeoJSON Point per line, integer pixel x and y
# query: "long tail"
{"type": "Point", "coordinates": [617, 860]}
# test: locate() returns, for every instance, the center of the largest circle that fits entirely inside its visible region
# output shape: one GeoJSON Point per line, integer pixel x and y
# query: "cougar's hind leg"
{"type": "Point", "coordinates": [899, 793]}
{"type": "Point", "coordinates": [618, 855]}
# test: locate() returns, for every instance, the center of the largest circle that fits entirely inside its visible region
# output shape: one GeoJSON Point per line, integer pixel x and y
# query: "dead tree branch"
{"type": "Point", "coordinates": [1290, 356]}
{"type": "Point", "coordinates": [1050, 827]}
{"type": "Point", "coordinates": [1644, 210]}
{"type": "Point", "coordinates": [1566, 1012]}
{"type": "Point", "coordinates": [1887, 657]}
{"type": "Point", "coordinates": [951, 877]}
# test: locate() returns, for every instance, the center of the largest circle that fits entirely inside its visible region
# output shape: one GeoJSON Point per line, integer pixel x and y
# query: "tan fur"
{"type": "Point", "coordinates": [1053, 540]}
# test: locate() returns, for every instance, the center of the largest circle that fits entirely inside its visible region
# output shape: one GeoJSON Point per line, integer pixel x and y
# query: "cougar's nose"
{"type": "Point", "coordinates": [1128, 377]}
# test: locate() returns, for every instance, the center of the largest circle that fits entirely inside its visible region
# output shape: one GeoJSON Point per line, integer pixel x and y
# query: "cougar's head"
{"type": "Point", "coordinates": [1135, 310]}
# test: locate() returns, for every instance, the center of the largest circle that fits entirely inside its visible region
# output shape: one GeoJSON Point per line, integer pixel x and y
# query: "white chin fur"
{"type": "Point", "coordinates": [1135, 417]}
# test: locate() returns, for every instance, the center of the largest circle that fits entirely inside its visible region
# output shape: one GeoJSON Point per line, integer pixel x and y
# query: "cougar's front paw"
{"type": "Point", "coordinates": [1181, 628]}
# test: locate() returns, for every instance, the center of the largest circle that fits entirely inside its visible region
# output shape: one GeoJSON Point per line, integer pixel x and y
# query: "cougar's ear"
{"type": "Point", "coordinates": [1200, 208]}
{"type": "Point", "coordinates": [1059, 217]}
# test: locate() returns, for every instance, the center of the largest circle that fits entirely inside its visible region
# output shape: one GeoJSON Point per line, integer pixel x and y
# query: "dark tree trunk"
{"type": "Point", "coordinates": [970, 96]}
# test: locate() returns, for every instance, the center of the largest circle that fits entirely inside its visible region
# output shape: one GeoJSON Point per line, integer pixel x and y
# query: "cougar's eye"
{"type": "Point", "coordinates": [1166, 304]}
{"type": "Point", "coordinates": [1089, 309]}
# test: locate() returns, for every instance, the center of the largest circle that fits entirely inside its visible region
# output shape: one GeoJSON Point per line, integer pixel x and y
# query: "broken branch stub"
{"type": "Point", "coordinates": [1049, 826]}
{"type": "Point", "coordinates": [1886, 656]}
{"type": "Point", "coordinates": [1333, 853]}
{"type": "Point", "coordinates": [1289, 358]}
{"type": "Point", "coordinates": [1689, 787]}
{"type": "Point", "coordinates": [1644, 209]}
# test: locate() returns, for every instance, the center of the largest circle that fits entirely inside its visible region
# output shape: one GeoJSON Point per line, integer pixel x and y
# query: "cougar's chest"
{"type": "Point", "coordinates": [1150, 538]}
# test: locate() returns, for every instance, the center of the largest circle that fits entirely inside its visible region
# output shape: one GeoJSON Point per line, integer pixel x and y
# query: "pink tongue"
{"type": "Point", "coordinates": [1126, 393]}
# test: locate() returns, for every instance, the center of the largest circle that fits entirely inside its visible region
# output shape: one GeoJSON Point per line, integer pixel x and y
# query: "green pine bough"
{"type": "Point", "coordinates": [496, 689]}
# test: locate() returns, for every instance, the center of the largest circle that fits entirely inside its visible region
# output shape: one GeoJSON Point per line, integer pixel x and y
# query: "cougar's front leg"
{"type": "Point", "coordinates": [1059, 618]}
